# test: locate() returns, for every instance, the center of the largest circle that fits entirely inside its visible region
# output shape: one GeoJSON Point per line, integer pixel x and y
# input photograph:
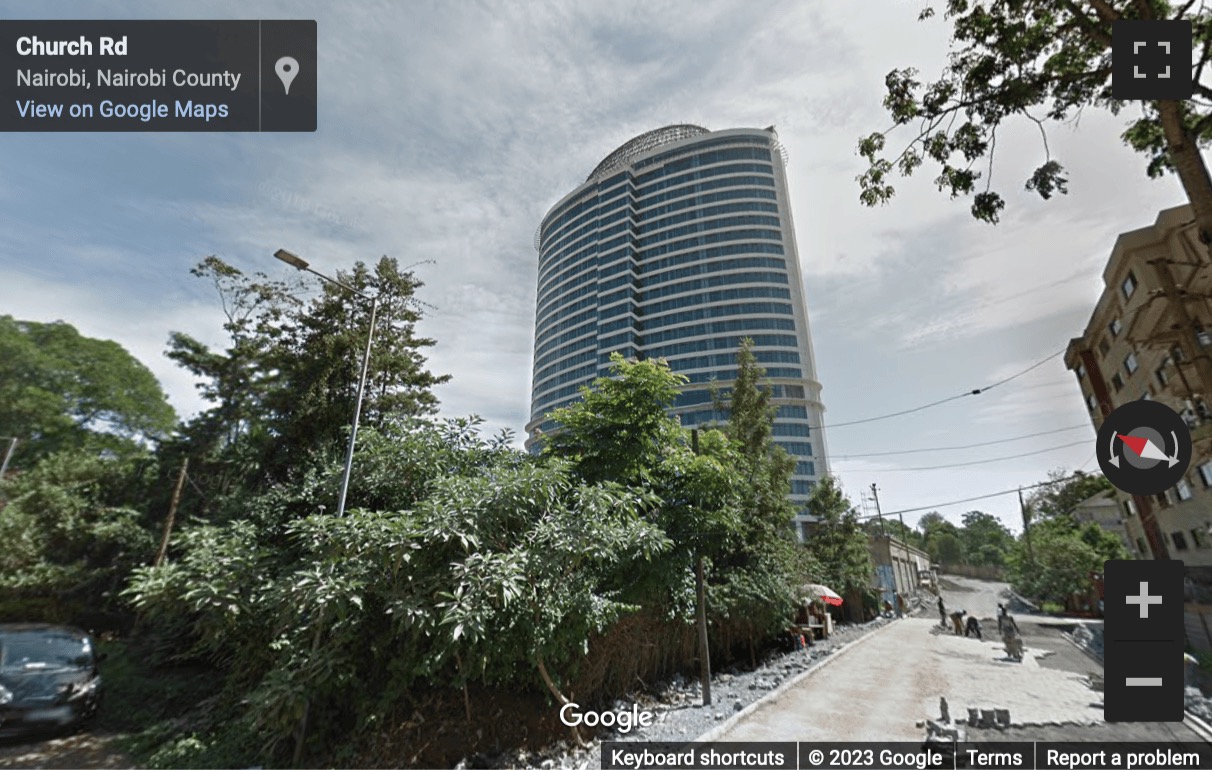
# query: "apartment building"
{"type": "Point", "coordinates": [1150, 337]}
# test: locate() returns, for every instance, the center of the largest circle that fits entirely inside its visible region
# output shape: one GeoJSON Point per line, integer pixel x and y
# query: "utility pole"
{"type": "Point", "coordinates": [875, 498]}
{"type": "Point", "coordinates": [700, 590]}
{"type": "Point", "coordinates": [1026, 527]}
{"type": "Point", "coordinates": [172, 513]}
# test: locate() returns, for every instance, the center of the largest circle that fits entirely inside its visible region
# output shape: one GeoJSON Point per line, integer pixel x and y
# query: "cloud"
{"type": "Point", "coordinates": [447, 130]}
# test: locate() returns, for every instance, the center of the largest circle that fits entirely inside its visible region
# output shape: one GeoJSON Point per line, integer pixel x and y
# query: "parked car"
{"type": "Point", "coordinates": [48, 677]}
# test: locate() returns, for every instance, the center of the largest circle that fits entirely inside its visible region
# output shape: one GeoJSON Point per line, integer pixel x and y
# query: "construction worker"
{"type": "Point", "coordinates": [957, 619]}
{"type": "Point", "coordinates": [973, 627]}
{"type": "Point", "coordinates": [942, 612]}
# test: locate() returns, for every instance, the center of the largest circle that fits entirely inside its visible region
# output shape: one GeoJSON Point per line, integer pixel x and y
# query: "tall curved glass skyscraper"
{"type": "Point", "coordinates": [678, 246]}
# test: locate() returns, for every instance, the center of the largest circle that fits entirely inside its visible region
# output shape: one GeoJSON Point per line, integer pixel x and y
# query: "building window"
{"type": "Point", "coordinates": [1141, 547]}
{"type": "Point", "coordinates": [1183, 489]}
{"type": "Point", "coordinates": [1200, 538]}
{"type": "Point", "coordinates": [1162, 377]}
{"type": "Point", "coordinates": [1180, 541]}
{"type": "Point", "coordinates": [1163, 499]}
{"type": "Point", "coordinates": [1130, 363]}
{"type": "Point", "coordinates": [1104, 346]}
{"type": "Point", "coordinates": [1146, 395]}
{"type": "Point", "coordinates": [1205, 339]}
{"type": "Point", "coordinates": [1090, 402]}
{"type": "Point", "coordinates": [1115, 327]}
{"type": "Point", "coordinates": [801, 487]}
{"type": "Point", "coordinates": [1176, 354]}
{"type": "Point", "coordinates": [1117, 381]}
{"type": "Point", "coordinates": [1205, 474]}
{"type": "Point", "coordinates": [1129, 285]}
{"type": "Point", "coordinates": [1081, 371]}
{"type": "Point", "coordinates": [1130, 507]}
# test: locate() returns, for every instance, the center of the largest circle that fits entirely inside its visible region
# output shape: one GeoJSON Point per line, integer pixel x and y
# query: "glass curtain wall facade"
{"type": "Point", "coordinates": [679, 245]}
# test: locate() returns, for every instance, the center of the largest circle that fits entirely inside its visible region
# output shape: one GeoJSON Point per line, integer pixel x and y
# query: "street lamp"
{"type": "Point", "coordinates": [295, 261]}
{"type": "Point", "coordinates": [8, 455]}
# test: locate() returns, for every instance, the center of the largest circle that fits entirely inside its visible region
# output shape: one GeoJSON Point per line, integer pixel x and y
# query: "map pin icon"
{"type": "Point", "coordinates": [287, 68]}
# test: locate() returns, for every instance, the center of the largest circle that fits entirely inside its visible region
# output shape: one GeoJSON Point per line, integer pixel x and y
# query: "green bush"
{"type": "Point", "coordinates": [494, 577]}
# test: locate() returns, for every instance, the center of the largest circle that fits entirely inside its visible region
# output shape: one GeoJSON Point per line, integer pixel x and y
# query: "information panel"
{"type": "Point", "coordinates": [158, 75]}
{"type": "Point", "coordinates": [906, 756]}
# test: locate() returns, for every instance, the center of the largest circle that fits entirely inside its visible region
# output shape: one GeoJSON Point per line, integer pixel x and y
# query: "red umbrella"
{"type": "Point", "coordinates": [824, 593]}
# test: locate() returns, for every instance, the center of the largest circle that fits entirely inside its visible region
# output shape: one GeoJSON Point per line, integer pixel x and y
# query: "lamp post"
{"type": "Point", "coordinates": [8, 455]}
{"type": "Point", "coordinates": [297, 262]}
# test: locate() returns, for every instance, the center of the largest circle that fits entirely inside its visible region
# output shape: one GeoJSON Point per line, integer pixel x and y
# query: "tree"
{"type": "Point", "coordinates": [986, 541]}
{"type": "Point", "coordinates": [71, 538]}
{"type": "Point", "coordinates": [947, 548]}
{"type": "Point", "coordinates": [1107, 545]}
{"type": "Point", "coordinates": [620, 431]}
{"type": "Point", "coordinates": [727, 504]}
{"type": "Point", "coordinates": [1066, 552]}
{"type": "Point", "coordinates": [60, 390]}
{"type": "Point", "coordinates": [941, 539]}
{"type": "Point", "coordinates": [1059, 498]}
{"type": "Point", "coordinates": [621, 427]}
{"type": "Point", "coordinates": [1044, 61]}
{"type": "Point", "coordinates": [1062, 566]}
{"type": "Point", "coordinates": [498, 573]}
{"type": "Point", "coordinates": [766, 567]}
{"type": "Point", "coordinates": [285, 387]}
{"type": "Point", "coordinates": [766, 466]}
{"type": "Point", "coordinates": [838, 540]}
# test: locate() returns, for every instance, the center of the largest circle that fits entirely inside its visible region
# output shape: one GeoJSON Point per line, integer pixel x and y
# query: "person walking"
{"type": "Point", "coordinates": [1011, 637]}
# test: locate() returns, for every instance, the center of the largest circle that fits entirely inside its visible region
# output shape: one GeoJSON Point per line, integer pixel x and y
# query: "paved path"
{"type": "Point", "coordinates": [879, 690]}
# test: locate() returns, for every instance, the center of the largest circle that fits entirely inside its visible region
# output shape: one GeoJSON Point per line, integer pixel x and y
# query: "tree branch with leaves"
{"type": "Point", "coordinates": [1044, 61]}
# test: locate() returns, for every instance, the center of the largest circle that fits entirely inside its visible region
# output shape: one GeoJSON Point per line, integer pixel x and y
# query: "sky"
{"type": "Point", "coordinates": [448, 129]}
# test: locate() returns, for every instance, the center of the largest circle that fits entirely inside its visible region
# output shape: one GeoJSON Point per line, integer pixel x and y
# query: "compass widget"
{"type": "Point", "coordinates": [1144, 447]}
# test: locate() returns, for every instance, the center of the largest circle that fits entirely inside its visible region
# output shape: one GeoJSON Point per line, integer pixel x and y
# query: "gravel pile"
{"type": "Point", "coordinates": [1198, 705]}
{"type": "Point", "coordinates": [1017, 605]}
{"type": "Point", "coordinates": [1090, 638]}
{"type": "Point", "coordinates": [679, 715]}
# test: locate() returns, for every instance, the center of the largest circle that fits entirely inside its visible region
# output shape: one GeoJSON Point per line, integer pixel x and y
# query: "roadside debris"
{"type": "Point", "coordinates": [943, 730]}
{"type": "Point", "coordinates": [942, 736]}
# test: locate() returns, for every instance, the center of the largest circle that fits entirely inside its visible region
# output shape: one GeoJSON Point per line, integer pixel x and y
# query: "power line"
{"type": "Point", "coordinates": [960, 446]}
{"type": "Point", "coordinates": [984, 497]}
{"type": "Point", "coordinates": [933, 404]}
{"type": "Point", "coordinates": [982, 462]}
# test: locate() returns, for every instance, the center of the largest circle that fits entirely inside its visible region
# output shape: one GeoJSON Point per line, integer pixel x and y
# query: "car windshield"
{"type": "Point", "coordinates": [36, 650]}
